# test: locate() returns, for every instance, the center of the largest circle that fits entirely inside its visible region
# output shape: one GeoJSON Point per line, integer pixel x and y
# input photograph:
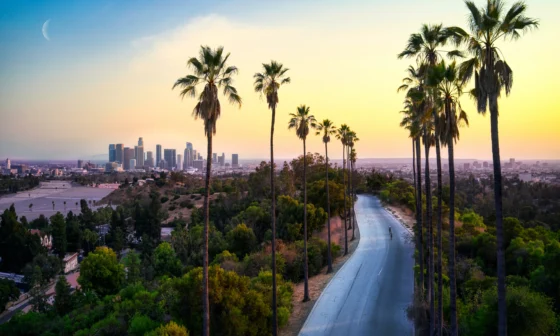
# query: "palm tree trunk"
{"type": "Point", "coordinates": [353, 214]}
{"type": "Point", "coordinates": [205, 299]}
{"type": "Point", "coordinates": [273, 215]}
{"type": "Point", "coordinates": [430, 229]}
{"type": "Point", "coordinates": [329, 255]}
{"type": "Point", "coordinates": [350, 200]}
{"type": "Point", "coordinates": [502, 313]}
{"type": "Point", "coordinates": [344, 192]}
{"type": "Point", "coordinates": [414, 170]}
{"type": "Point", "coordinates": [439, 314]}
{"type": "Point", "coordinates": [305, 265]}
{"type": "Point", "coordinates": [451, 255]}
{"type": "Point", "coordinates": [419, 215]}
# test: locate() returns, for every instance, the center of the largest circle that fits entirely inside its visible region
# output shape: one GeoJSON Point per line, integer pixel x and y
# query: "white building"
{"type": "Point", "coordinates": [8, 164]}
{"type": "Point", "coordinates": [46, 240]}
{"type": "Point", "coordinates": [70, 262]}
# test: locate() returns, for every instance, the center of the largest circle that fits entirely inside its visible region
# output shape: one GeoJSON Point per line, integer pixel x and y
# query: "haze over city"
{"type": "Point", "coordinates": [105, 76]}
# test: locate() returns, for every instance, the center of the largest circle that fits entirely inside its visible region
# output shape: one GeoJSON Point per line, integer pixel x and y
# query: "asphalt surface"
{"type": "Point", "coordinates": [370, 293]}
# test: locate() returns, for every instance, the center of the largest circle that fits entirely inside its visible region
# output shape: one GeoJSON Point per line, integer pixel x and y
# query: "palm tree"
{"type": "Point", "coordinates": [211, 70]}
{"type": "Point", "coordinates": [342, 135]}
{"type": "Point", "coordinates": [31, 207]}
{"type": "Point", "coordinates": [53, 205]}
{"type": "Point", "coordinates": [426, 47]}
{"type": "Point", "coordinates": [352, 139]}
{"type": "Point", "coordinates": [327, 128]}
{"type": "Point", "coordinates": [64, 206]}
{"type": "Point", "coordinates": [492, 74]}
{"type": "Point", "coordinates": [268, 83]}
{"type": "Point", "coordinates": [302, 121]}
{"type": "Point", "coordinates": [448, 88]}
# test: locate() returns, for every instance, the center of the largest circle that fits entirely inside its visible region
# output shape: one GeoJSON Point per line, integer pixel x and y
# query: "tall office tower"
{"type": "Point", "coordinates": [170, 157]}
{"type": "Point", "coordinates": [200, 156]}
{"type": "Point", "coordinates": [140, 142]}
{"type": "Point", "coordinates": [112, 153]}
{"type": "Point", "coordinates": [149, 159]}
{"type": "Point", "coordinates": [222, 159]}
{"type": "Point", "coordinates": [140, 155]}
{"type": "Point", "coordinates": [179, 162]}
{"type": "Point", "coordinates": [8, 164]}
{"type": "Point", "coordinates": [119, 154]}
{"type": "Point", "coordinates": [128, 155]}
{"type": "Point", "coordinates": [132, 163]}
{"type": "Point", "coordinates": [235, 160]}
{"type": "Point", "coordinates": [158, 154]}
{"type": "Point", "coordinates": [198, 164]}
{"type": "Point", "coordinates": [80, 163]}
{"type": "Point", "coordinates": [214, 157]}
{"type": "Point", "coordinates": [195, 154]}
{"type": "Point", "coordinates": [162, 164]}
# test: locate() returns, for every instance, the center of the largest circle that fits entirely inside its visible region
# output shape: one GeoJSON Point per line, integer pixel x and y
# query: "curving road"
{"type": "Point", "coordinates": [370, 293]}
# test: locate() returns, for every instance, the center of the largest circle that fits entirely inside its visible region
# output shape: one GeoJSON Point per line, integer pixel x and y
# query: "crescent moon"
{"type": "Point", "coordinates": [45, 28]}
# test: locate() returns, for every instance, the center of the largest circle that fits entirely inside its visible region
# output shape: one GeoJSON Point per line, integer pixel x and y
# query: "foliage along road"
{"type": "Point", "coordinates": [370, 293]}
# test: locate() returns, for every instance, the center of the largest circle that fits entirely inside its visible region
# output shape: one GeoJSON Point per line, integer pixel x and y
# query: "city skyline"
{"type": "Point", "coordinates": [133, 71]}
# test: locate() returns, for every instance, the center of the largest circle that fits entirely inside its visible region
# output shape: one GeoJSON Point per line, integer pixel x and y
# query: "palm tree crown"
{"type": "Point", "coordinates": [269, 81]}
{"type": "Point", "coordinates": [211, 70]}
{"type": "Point", "coordinates": [326, 128]}
{"type": "Point", "coordinates": [302, 121]}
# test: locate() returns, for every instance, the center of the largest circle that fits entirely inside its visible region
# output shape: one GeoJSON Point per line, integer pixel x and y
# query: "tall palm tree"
{"type": "Point", "coordinates": [425, 46]}
{"type": "Point", "coordinates": [352, 139]}
{"type": "Point", "coordinates": [353, 158]}
{"type": "Point", "coordinates": [267, 83]}
{"type": "Point", "coordinates": [211, 71]}
{"type": "Point", "coordinates": [448, 88]}
{"type": "Point", "coordinates": [342, 135]}
{"type": "Point", "coordinates": [302, 121]}
{"type": "Point", "coordinates": [492, 75]}
{"type": "Point", "coordinates": [327, 128]}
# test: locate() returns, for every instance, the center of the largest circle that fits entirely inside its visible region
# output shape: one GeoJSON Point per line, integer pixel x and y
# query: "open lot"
{"type": "Point", "coordinates": [42, 200]}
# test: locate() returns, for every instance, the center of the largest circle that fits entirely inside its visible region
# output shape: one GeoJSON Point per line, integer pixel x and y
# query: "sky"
{"type": "Point", "coordinates": [105, 76]}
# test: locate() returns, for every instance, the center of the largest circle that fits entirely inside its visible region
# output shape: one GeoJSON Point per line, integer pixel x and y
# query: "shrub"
{"type": "Point", "coordinates": [172, 208]}
{"type": "Point", "coordinates": [241, 240]}
{"type": "Point", "coordinates": [176, 197]}
{"type": "Point", "coordinates": [164, 199]}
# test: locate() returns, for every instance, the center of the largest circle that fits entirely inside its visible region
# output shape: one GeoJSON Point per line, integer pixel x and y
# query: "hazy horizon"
{"type": "Point", "coordinates": [106, 73]}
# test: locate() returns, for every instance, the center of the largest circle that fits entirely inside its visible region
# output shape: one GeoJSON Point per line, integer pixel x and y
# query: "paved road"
{"type": "Point", "coordinates": [370, 293]}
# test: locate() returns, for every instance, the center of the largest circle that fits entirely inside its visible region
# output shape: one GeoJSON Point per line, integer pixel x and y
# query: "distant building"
{"type": "Point", "coordinates": [188, 156]}
{"type": "Point", "coordinates": [512, 161]}
{"type": "Point", "coordinates": [140, 142]}
{"type": "Point", "coordinates": [170, 157]}
{"type": "Point", "coordinates": [112, 153]}
{"type": "Point", "coordinates": [128, 155]}
{"type": "Point", "coordinates": [111, 166]}
{"type": "Point", "coordinates": [485, 164]}
{"type": "Point", "coordinates": [80, 163]}
{"type": "Point", "coordinates": [222, 160]}
{"type": "Point", "coordinates": [139, 155]}
{"type": "Point", "coordinates": [215, 158]}
{"type": "Point", "coordinates": [526, 177]}
{"type": "Point", "coordinates": [8, 164]}
{"type": "Point", "coordinates": [132, 164]}
{"type": "Point", "coordinates": [235, 161]}
{"type": "Point", "coordinates": [158, 154]}
{"type": "Point", "coordinates": [198, 164]}
{"type": "Point", "coordinates": [70, 262]}
{"type": "Point", "coordinates": [46, 239]}
{"type": "Point", "coordinates": [466, 166]}
{"type": "Point", "coordinates": [119, 154]}
{"type": "Point", "coordinates": [162, 164]}
{"type": "Point", "coordinates": [149, 159]}
{"type": "Point", "coordinates": [179, 162]}
{"type": "Point", "coordinates": [21, 168]}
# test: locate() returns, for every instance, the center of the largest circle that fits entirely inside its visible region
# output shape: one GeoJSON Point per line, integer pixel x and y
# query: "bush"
{"type": "Point", "coordinates": [141, 324]}
{"type": "Point", "coordinates": [261, 261]}
{"type": "Point", "coordinates": [172, 208]}
{"type": "Point", "coordinates": [186, 204]}
{"type": "Point", "coordinates": [241, 240]}
{"type": "Point", "coordinates": [176, 197]}
{"type": "Point", "coordinates": [193, 196]}
{"type": "Point", "coordinates": [164, 199]}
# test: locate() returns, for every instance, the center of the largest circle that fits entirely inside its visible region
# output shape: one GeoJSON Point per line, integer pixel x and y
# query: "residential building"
{"type": "Point", "coordinates": [70, 262]}
{"type": "Point", "coordinates": [46, 239]}
{"type": "Point", "coordinates": [112, 153]}
{"type": "Point", "coordinates": [119, 154]}
{"type": "Point", "coordinates": [158, 154]}
{"type": "Point", "coordinates": [234, 160]}
{"type": "Point", "coordinates": [128, 155]}
{"type": "Point", "coordinates": [170, 157]}
{"type": "Point", "coordinates": [80, 163]}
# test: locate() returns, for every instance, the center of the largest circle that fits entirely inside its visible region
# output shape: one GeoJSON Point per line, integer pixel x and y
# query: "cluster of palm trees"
{"type": "Point", "coordinates": [433, 114]}
{"type": "Point", "coordinates": [211, 71]}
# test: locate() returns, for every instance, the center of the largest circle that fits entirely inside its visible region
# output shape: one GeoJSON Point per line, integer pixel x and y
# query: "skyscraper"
{"type": "Point", "coordinates": [8, 164]}
{"type": "Point", "coordinates": [139, 151]}
{"type": "Point", "coordinates": [112, 153]}
{"type": "Point", "coordinates": [80, 163]}
{"type": "Point", "coordinates": [140, 142]}
{"type": "Point", "coordinates": [195, 155]}
{"type": "Point", "coordinates": [149, 159]}
{"type": "Point", "coordinates": [235, 160]}
{"type": "Point", "coordinates": [158, 154]}
{"type": "Point", "coordinates": [222, 160]}
{"type": "Point", "coordinates": [179, 162]}
{"type": "Point", "coordinates": [119, 154]}
{"type": "Point", "coordinates": [128, 155]}
{"type": "Point", "coordinates": [132, 163]}
{"type": "Point", "coordinates": [214, 157]}
{"type": "Point", "coordinates": [170, 158]}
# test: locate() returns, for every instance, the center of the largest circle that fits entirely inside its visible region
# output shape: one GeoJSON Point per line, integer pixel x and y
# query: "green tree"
{"type": "Point", "coordinates": [210, 70]}
{"type": "Point", "coordinates": [342, 135]}
{"type": "Point", "coordinates": [8, 292]}
{"type": "Point", "coordinates": [101, 272]}
{"type": "Point", "coordinates": [268, 83]}
{"type": "Point", "coordinates": [241, 240]}
{"type": "Point", "coordinates": [492, 75]}
{"type": "Point", "coordinates": [170, 329]}
{"type": "Point", "coordinates": [59, 243]}
{"type": "Point", "coordinates": [15, 237]}
{"type": "Point", "coordinates": [63, 302]}
{"type": "Point", "coordinates": [132, 265]}
{"type": "Point", "coordinates": [302, 121]}
{"type": "Point", "coordinates": [327, 129]}
{"type": "Point", "coordinates": [166, 261]}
